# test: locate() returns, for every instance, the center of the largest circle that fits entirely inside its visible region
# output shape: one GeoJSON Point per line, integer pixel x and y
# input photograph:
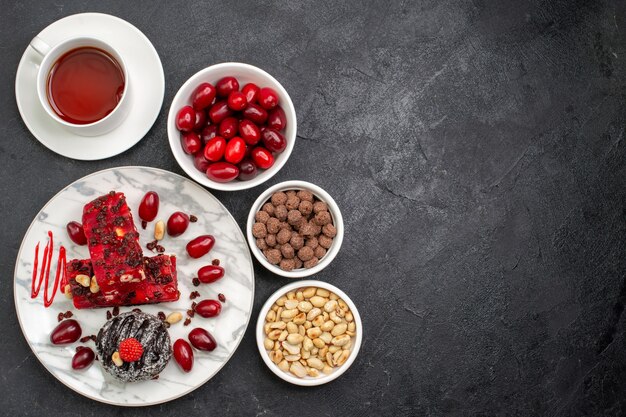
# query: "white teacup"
{"type": "Point", "coordinates": [50, 54]}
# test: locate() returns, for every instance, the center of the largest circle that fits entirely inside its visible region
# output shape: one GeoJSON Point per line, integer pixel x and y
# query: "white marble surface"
{"type": "Point", "coordinates": [176, 193]}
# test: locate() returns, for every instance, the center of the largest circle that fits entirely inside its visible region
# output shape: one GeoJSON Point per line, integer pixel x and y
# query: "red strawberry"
{"type": "Point", "coordinates": [130, 350]}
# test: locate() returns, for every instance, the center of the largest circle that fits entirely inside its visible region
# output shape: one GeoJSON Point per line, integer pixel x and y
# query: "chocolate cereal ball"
{"type": "Point", "coordinates": [311, 263]}
{"type": "Point", "coordinates": [273, 256]}
{"type": "Point", "coordinates": [322, 218]}
{"type": "Point", "coordinates": [283, 236]}
{"type": "Point", "coordinates": [294, 217]}
{"type": "Point", "coordinates": [287, 264]}
{"type": "Point", "coordinates": [284, 225]}
{"type": "Point", "coordinates": [287, 251]}
{"type": "Point", "coordinates": [305, 208]}
{"type": "Point", "coordinates": [312, 242]}
{"type": "Point", "coordinates": [325, 241]}
{"type": "Point", "coordinates": [273, 225]}
{"type": "Point", "coordinates": [319, 206]}
{"type": "Point", "coordinates": [261, 216]}
{"type": "Point", "coordinates": [319, 252]}
{"type": "Point", "coordinates": [280, 212]}
{"type": "Point", "coordinates": [260, 243]}
{"type": "Point", "coordinates": [259, 230]}
{"type": "Point", "coordinates": [305, 253]}
{"type": "Point", "coordinates": [268, 208]}
{"type": "Point", "coordinates": [305, 195]}
{"type": "Point", "coordinates": [290, 193]}
{"type": "Point", "coordinates": [278, 198]}
{"type": "Point", "coordinates": [307, 229]}
{"type": "Point", "coordinates": [329, 230]}
{"type": "Point", "coordinates": [296, 241]}
{"type": "Point", "coordinates": [292, 203]}
{"type": "Point", "coordinates": [270, 239]}
{"type": "Point", "coordinates": [298, 262]}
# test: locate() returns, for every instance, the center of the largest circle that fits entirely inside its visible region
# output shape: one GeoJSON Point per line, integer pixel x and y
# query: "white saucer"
{"type": "Point", "coordinates": [147, 84]}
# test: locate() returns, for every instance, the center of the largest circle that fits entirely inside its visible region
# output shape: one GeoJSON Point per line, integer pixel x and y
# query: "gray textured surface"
{"type": "Point", "coordinates": [476, 150]}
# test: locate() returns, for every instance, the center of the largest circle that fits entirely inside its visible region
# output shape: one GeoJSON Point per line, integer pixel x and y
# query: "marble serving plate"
{"type": "Point", "coordinates": [176, 193]}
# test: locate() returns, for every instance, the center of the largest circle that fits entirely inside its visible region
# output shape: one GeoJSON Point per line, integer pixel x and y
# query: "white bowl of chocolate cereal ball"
{"type": "Point", "coordinates": [295, 229]}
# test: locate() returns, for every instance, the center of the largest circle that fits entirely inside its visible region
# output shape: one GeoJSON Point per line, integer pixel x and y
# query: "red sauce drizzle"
{"type": "Point", "coordinates": [44, 274]}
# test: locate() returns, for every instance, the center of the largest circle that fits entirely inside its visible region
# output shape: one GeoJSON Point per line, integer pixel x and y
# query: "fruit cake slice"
{"type": "Point", "coordinates": [160, 285]}
{"type": "Point", "coordinates": [113, 242]}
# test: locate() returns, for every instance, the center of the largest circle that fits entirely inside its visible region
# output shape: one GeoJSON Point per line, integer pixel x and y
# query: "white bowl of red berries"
{"type": "Point", "coordinates": [231, 126]}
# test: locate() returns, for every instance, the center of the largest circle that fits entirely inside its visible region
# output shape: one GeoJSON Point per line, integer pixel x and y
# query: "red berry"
{"type": "Point", "coordinates": [214, 149]}
{"type": "Point", "coordinates": [219, 111]}
{"type": "Point", "coordinates": [210, 273]}
{"type": "Point", "coordinates": [177, 224]}
{"type": "Point", "coordinates": [208, 308]}
{"type": "Point", "coordinates": [76, 232]}
{"type": "Point", "coordinates": [247, 170]}
{"type": "Point", "coordinates": [203, 96]}
{"type": "Point", "coordinates": [277, 119]}
{"type": "Point", "coordinates": [191, 143]}
{"type": "Point", "coordinates": [200, 246]}
{"type": "Point", "coordinates": [251, 91]}
{"type": "Point", "coordinates": [200, 162]}
{"type": "Point", "coordinates": [68, 331]}
{"type": "Point", "coordinates": [235, 150]}
{"type": "Point", "coordinates": [83, 358]}
{"type": "Point", "coordinates": [249, 132]}
{"type": "Point", "coordinates": [237, 101]}
{"type": "Point", "coordinates": [130, 350]}
{"type": "Point", "coordinates": [222, 172]}
{"type": "Point", "coordinates": [149, 206]}
{"type": "Point", "coordinates": [228, 127]}
{"type": "Point", "coordinates": [268, 98]}
{"type": "Point", "coordinates": [200, 120]}
{"type": "Point", "coordinates": [186, 119]}
{"type": "Point", "coordinates": [202, 339]}
{"type": "Point", "coordinates": [183, 355]}
{"type": "Point", "coordinates": [255, 113]}
{"type": "Point", "coordinates": [273, 141]}
{"type": "Point", "coordinates": [208, 133]}
{"type": "Point", "coordinates": [227, 85]}
{"type": "Point", "coordinates": [262, 158]}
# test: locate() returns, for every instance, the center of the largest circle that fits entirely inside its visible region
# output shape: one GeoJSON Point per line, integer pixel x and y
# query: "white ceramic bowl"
{"type": "Point", "coordinates": [245, 74]}
{"type": "Point", "coordinates": [323, 378]}
{"type": "Point", "coordinates": [333, 208]}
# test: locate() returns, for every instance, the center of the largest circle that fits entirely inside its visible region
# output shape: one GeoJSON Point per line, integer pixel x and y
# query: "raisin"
{"type": "Point", "coordinates": [191, 313]}
{"type": "Point", "coordinates": [144, 224]}
{"type": "Point", "coordinates": [193, 218]}
{"type": "Point", "coordinates": [109, 315]}
{"type": "Point", "coordinates": [84, 339]}
{"type": "Point", "coordinates": [195, 282]}
{"type": "Point", "coordinates": [60, 317]}
{"type": "Point", "coordinates": [116, 311]}
{"type": "Point", "coordinates": [187, 321]}
{"type": "Point", "coordinates": [68, 314]}
{"type": "Point", "coordinates": [161, 315]}
{"type": "Point", "coordinates": [221, 297]}
{"type": "Point", "coordinates": [215, 262]}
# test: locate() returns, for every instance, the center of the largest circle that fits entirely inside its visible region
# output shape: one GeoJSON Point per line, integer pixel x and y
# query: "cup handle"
{"type": "Point", "coordinates": [41, 47]}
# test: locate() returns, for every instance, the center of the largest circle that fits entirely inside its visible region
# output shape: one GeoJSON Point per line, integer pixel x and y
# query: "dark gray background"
{"type": "Point", "coordinates": [476, 150]}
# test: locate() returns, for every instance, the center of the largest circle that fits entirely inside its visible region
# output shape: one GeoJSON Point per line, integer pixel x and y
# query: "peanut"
{"type": "Point", "coordinates": [115, 358]}
{"type": "Point", "coordinates": [291, 304]}
{"type": "Point", "coordinates": [159, 230]}
{"type": "Point", "coordinates": [174, 317]}
{"type": "Point", "coordinates": [323, 292]}
{"type": "Point", "coordinates": [94, 288]}
{"type": "Point", "coordinates": [84, 280]}
{"type": "Point", "coordinates": [295, 338]}
{"type": "Point", "coordinates": [339, 329]}
{"type": "Point", "coordinates": [317, 301]}
{"type": "Point", "coordinates": [268, 343]}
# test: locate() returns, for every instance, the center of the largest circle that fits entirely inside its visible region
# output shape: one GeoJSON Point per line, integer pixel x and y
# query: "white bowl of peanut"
{"type": "Point", "coordinates": [309, 332]}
